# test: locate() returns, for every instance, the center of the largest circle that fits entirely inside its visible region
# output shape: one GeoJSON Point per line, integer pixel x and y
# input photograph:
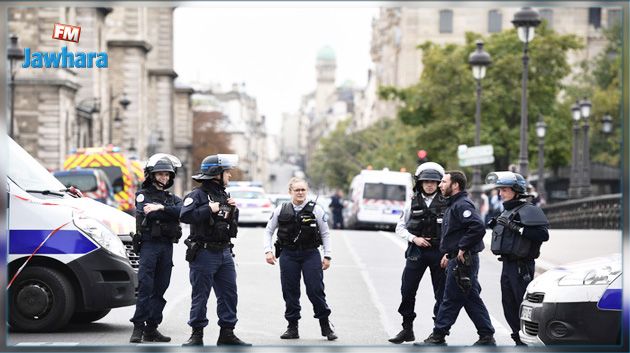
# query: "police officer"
{"type": "Point", "coordinates": [302, 228]}
{"type": "Point", "coordinates": [420, 224]}
{"type": "Point", "coordinates": [462, 240]}
{"type": "Point", "coordinates": [157, 228]}
{"type": "Point", "coordinates": [517, 235]}
{"type": "Point", "coordinates": [213, 216]}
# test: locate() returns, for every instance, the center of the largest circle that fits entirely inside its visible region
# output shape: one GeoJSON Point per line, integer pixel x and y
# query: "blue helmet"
{"type": "Point", "coordinates": [216, 164]}
{"type": "Point", "coordinates": [507, 179]}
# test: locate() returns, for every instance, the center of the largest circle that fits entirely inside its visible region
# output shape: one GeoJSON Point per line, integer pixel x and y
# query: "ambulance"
{"type": "Point", "coordinates": [66, 260]}
{"type": "Point", "coordinates": [378, 198]}
{"type": "Point", "coordinates": [124, 174]}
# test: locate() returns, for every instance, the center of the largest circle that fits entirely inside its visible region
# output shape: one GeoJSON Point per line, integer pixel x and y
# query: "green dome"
{"type": "Point", "coordinates": [326, 53]}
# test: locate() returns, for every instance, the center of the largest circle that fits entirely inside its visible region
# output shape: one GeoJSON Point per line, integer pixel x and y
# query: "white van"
{"type": "Point", "coordinates": [66, 261]}
{"type": "Point", "coordinates": [378, 198]}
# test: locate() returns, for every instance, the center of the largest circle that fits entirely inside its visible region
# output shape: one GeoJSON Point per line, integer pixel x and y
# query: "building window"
{"type": "Point", "coordinates": [547, 14]}
{"type": "Point", "coordinates": [595, 16]}
{"type": "Point", "coordinates": [446, 21]}
{"type": "Point", "coordinates": [614, 18]}
{"type": "Point", "coordinates": [495, 20]}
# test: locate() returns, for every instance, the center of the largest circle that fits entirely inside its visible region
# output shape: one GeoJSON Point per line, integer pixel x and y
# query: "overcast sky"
{"type": "Point", "coordinates": [271, 47]}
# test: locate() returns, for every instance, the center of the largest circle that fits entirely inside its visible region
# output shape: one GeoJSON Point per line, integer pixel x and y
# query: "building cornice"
{"type": "Point", "coordinates": [163, 72]}
{"type": "Point", "coordinates": [130, 43]}
{"type": "Point", "coordinates": [48, 82]}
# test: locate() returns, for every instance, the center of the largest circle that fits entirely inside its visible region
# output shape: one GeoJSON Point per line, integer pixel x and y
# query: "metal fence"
{"type": "Point", "coordinates": [597, 212]}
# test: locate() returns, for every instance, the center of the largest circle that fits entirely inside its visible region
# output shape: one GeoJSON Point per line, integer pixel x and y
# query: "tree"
{"type": "Point", "coordinates": [209, 138]}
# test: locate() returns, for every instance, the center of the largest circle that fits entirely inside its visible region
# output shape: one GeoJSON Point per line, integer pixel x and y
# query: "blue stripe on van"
{"type": "Point", "coordinates": [25, 241]}
{"type": "Point", "coordinates": [611, 299]}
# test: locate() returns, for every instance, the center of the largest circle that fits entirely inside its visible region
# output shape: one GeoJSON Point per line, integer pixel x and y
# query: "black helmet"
{"type": "Point", "coordinates": [430, 171]}
{"type": "Point", "coordinates": [161, 162]}
{"type": "Point", "coordinates": [216, 164]}
{"type": "Point", "coordinates": [507, 179]}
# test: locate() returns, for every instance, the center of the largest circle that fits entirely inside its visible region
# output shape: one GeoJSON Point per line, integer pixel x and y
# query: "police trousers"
{"type": "Point", "coordinates": [213, 269]}
{"type": "Point", "coordinates": [411, 277]}
{"type": "Point", "coordinates": [154, 276]}
{"type": "Point", "coordinates": [515, 276]}
{"type": "Point", "coordinates": [454, 299]}
{"type": "Point", "coordinates": [294, 264]}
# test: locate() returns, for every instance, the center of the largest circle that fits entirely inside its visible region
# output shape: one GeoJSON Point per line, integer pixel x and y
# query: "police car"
{"type": "Point", "coordinates": [579, 303]}
{"type": "Point", "coordinates": [66, 261]}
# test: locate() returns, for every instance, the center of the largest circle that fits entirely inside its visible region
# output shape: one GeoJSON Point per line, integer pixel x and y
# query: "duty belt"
{"type": "Point", "coordinates": [300, 247]}
{"type": "Point", "coordinates": [215, 245]}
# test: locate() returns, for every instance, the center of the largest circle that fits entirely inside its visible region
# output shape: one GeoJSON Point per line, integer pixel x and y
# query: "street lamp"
{"type": "Point", "coordinates": [607, 125]}
{"type": "Point", "coordinates": [14, 53]}
{"type": "Point", "coordinates": [585, 111]}
{"type": "Point", "coordinates": [479, 60]}
{"type": "Point", "coordinates": [526, 20]}
{"type": "Point", "coordinates": [575, 164]}
{"type": "Point", "coordinates": [541, 129]}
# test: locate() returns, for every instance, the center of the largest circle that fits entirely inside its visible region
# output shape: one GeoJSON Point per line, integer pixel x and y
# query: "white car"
{"type": "Point", "coordinates": [579, 303]}
{"type": "Point", "coordinates": [255, 207]}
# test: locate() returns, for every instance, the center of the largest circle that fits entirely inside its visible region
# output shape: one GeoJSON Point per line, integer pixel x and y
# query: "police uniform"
{"type": "Point", "coordinates": [462, 228]}
{"type": "Point", "coordinates": [158, 230]}
{"type": "Point", "coordinates": [421, 217]}
{"type": "Point", "coordinates": [301, 230]}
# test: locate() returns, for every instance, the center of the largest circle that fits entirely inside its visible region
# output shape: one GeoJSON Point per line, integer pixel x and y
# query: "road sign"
{"type": "Point", "coordinates": [467, 162]}
{"type": "Point", "coordinates": [464, 152]}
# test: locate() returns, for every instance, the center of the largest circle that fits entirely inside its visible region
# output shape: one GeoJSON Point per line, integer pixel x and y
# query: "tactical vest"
{"type": "Point", "coordinates": [222, 226]}
{"type": "Point", "coordinates": [158, 229]}
{"type": "Point", "coordinates": [298, 231]}
{"type": "Point", "coordinates": [511, 244]}
{"type": "Point", "coordinates": [426, 221]}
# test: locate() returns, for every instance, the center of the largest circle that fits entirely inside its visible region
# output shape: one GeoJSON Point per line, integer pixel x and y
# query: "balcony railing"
{"type": "Point", "coordinates": [597, 212]}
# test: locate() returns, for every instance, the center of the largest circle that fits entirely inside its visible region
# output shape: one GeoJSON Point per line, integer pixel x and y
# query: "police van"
{"type": "Point", "coordinates": [378, 198]}
{"type": "Point", "coordinates": [578, 303]}
{"type": "Point", "coordinates": [66, 262]}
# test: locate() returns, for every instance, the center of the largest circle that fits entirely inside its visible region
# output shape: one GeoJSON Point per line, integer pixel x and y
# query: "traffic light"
{"type": "Point", "coordinates": [422, 156]}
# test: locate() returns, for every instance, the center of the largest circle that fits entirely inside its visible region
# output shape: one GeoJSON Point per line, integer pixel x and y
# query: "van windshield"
{"type": "Point", "coordinates": [115, 175]}
{"type": "Point", "coordinates": [385, 192]}
{"type": "Point", "coordinates": [83, 182]}
{"type": "Point", "coordinates": [27, 173]}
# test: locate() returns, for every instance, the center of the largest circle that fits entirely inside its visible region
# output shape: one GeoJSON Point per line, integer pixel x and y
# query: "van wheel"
{"type": "Point", "coordinates": [88, 316]}
{"type": "Point", "coordinates": [41, 300]}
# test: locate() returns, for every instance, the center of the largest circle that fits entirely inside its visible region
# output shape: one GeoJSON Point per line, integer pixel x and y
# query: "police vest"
{"type": "Point", "coordinates": [298, 231]}
{"type": "Point", "coordinates": [511, 244]}
{"type": "Point", "coordinates": [157, 229]}
{"type": "Point", "coordinates": [222, 225]}
{"type": "Point", "coordinates": [426, 221]}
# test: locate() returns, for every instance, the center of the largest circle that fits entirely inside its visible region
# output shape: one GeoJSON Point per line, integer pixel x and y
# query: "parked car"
{"type": "Point", "coordinates": [93, 183]}
{"type": "Point", "coordinates": [578, 303]}
{"type": "Point", "coordinates": [278, 199]}
{"type": "Point", "coordinates": [255, 207]}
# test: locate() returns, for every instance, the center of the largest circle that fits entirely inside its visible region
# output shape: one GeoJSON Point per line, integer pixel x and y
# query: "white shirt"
{"type": "Point", "coordinates": [272, 225]}
{"type": "Point", "coordinates": [401, 226]}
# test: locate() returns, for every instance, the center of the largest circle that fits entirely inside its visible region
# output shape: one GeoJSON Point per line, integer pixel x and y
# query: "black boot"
{"type": "Point", "coordinates": [485, 341]}
{"type": "Point", "coordinates": [434, 339]}
{"type": "Point", "coordinates": [291, 332]}
{"type": "Point", "coordinates": [228, 338]}
{"type": "Point", "coordinates": [327, 331]}
{"type": "Point", "coordinates": [196, 338]}
{"type": "Point", "coordinates": [151, 334]}
{"type": "Point", "coordinates": [136, 335]}
{"type": "Point", "coordinates": [517, 339]}
{"type": "Point", "coordinates": [406, 335]}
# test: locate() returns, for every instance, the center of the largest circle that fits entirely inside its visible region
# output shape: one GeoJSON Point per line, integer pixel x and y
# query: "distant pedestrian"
{"type": "Point", "coordinates": [336, 205]}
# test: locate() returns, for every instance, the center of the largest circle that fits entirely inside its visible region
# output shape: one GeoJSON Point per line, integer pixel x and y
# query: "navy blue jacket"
{"type": "Point", "coordinates": [462, 227]}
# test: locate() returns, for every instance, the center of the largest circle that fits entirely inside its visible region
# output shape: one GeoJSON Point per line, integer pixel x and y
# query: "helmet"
{"type": "Point", "coordinates": [429, 171]}
{"type": "Point", "coordinates": [161, 162]}
{"type": "Point", "coordinates": [216, 164]}
{"type": "Point", "coordinates": [507, 179]}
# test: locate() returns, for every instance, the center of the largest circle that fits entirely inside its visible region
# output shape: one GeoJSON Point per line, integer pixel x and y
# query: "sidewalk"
{"type": "Point", "coordinates": [570, 245]}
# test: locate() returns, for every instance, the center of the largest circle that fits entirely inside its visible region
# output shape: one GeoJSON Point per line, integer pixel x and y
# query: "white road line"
{"type": "Point", "coordinates": [371, 289]}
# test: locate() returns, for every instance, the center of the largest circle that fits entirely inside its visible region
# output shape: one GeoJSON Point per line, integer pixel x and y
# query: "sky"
{"type": "Point", "coordinates": [271, 47]}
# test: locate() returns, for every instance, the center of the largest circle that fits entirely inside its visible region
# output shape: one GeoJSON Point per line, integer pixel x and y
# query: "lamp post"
{"type": "Point", "coordinates": [14, 53]}
{"type": "Point", "coordinates": [479, 60]}
{"type": "Point", "coordinates": [585, 111]}
{"type": "Point", "coordinates": [607, 125]}
{"type": "Point", "coordinates": [575, 163]}
{"type": "Point", "coordinates": [525, 20]}
{"type": "Point", "coordinates": [541, 129]}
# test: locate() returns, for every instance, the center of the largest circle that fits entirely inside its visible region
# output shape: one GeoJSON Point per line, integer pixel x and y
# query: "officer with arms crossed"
{"type": "Point", "coordinates": [462, 240]}
{"type": "Point", "coordinates": [157, 228]}
{"type": "Point", "coordinates": [302, 228]}
{"type": "Point", "coordinates": [213, 216]}
{"type": "Point", "coordinates": [517, 235]}
{"type": "Point", "coordinates": [421, 225]}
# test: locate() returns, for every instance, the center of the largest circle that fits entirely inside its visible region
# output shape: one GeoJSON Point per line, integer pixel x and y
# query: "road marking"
{"type": "Point", "coordinates": [371, 289]}
{"type": "Point", "coordinates": [47, 344]}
